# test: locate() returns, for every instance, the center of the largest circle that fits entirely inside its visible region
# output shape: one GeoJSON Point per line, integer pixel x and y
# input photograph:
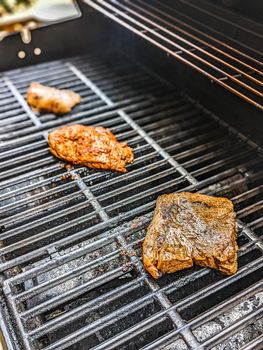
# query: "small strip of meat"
{"type": "Point", "coordinates": [94, 147]}
{"type": "Point", "coordinates": [190, 228]}
{"type": "Point", "coordinates": [48, 99]}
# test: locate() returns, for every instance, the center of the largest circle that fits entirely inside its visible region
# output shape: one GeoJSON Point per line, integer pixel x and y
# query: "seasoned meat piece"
{"type": "Point", "coordinates": [190, 228]}
{"type": "Point", "coordinates": [48, 99]}
{"type": "Point", "coordinates": [94, 147]}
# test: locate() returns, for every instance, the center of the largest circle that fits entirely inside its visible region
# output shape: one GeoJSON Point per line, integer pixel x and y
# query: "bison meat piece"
{"type": "Point", "coordinates": [190, 228]}
{"type": "Point", "coordinates": [48, 99]}
{"type": "Point", "coordinates": [94, 147]}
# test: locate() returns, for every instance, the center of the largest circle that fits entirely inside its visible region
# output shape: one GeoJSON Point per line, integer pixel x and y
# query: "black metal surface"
{"type": "Point", "coordinates": [251, 11]}
{"type": "Point", "coordinates": [240, 114]}
{"type": "Point", "coordinates": [71, 248]}
{"type": "Point", "coordinates": [231, 23]}
{"type": "Point", "coordinates": [159, 25]}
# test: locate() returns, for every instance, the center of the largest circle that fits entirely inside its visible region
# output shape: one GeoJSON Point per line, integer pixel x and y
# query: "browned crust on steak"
{"type": "Point", "coordinates": [48, 99]}
{"type": "Point", "coordinates": [190, 228]}
{"type": "Point", "coordinates": [94, 147]}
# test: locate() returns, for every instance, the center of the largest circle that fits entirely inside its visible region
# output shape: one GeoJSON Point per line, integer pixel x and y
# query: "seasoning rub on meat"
{"type": "Point", "coordinates": [190, 228]}
{"type": "Point", "coordinates": [94, 147]}
{"type": "Point", "coordinates": [48, 99]}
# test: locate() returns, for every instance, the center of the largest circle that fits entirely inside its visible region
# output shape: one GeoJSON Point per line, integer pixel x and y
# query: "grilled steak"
{"type": "Point", "coordinates": [48, 99]}
{"type": "Point", "coordinates": [94, 147]}
{"type": "Point", "coordinates": [190, 228]}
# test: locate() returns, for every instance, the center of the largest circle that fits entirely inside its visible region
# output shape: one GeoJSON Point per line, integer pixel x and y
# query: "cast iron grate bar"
{"type": "Point", "coordinates": [22, 102]}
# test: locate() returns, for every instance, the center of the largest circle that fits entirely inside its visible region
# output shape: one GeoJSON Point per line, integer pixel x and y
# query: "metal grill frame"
{"type": "Point", "coordinates": [146, 21]}
{"type": "Point", "coordinates": [181, 327]}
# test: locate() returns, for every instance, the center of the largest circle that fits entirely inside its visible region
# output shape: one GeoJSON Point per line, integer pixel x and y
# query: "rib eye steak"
{"type": "Point", "coordinates": [94, 147]}
{"type": "Point", "coordinates": [190, 228]}
{"type": "Point", "coordinates": [48, 99]}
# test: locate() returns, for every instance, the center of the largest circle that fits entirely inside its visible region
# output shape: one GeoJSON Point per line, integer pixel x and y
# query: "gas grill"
{"type": "Point", "coordinates": [70, 240]}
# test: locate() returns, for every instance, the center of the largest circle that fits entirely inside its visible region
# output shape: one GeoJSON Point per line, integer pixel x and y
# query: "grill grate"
{"type": "Point", "coordinates": [71, 240]}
